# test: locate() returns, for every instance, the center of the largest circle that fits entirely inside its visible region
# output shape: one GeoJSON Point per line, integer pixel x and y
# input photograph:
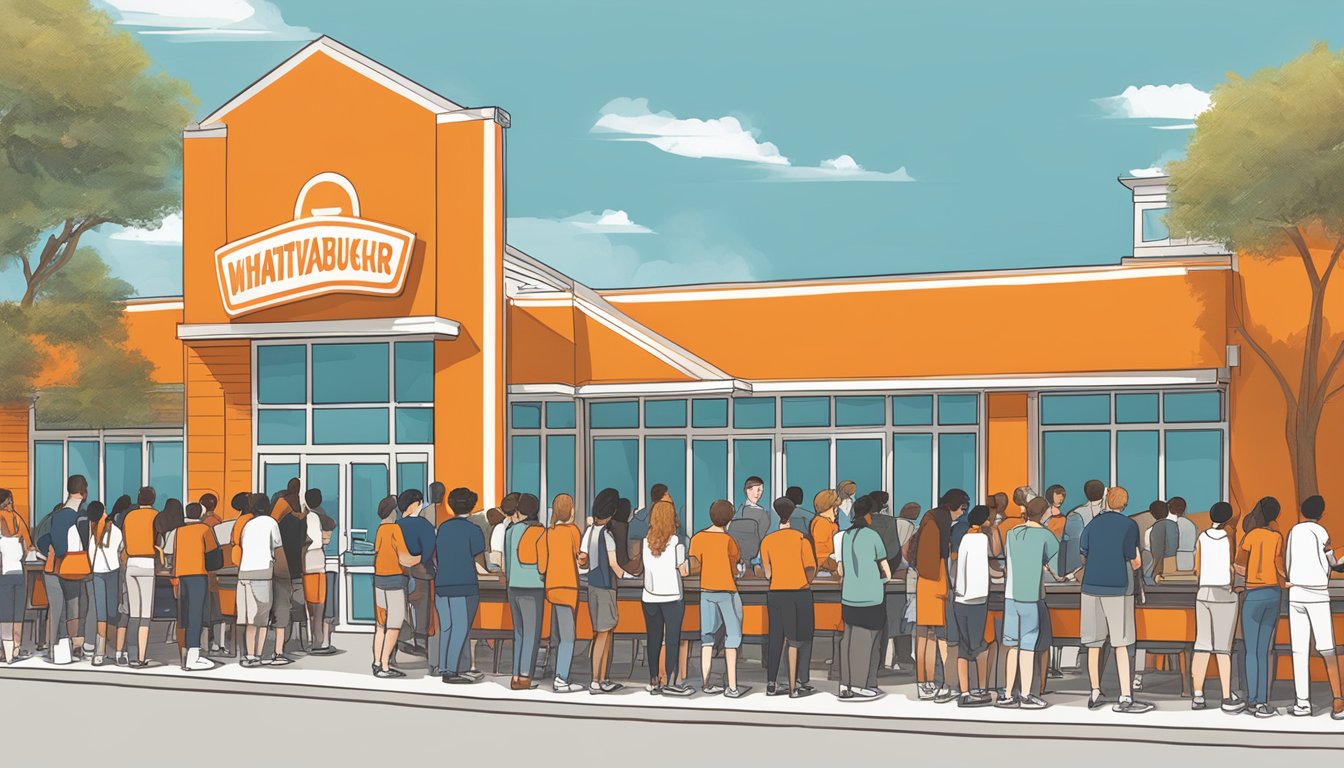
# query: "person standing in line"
{"type": "Point", "coordinates": [287, 607]}
{"type": "Point", "coordinates": [138, 532]}
{"type": "Point", "coordinates": [642, 519]}
{"type": "Point", "coordinates": [970, 608]}
{"type": "Point", "coordinates": [508, 507]}
{"type": "Point", "coordinates": [663, 565]}
{"type": "Point", "coordinates": [845, 490]}
{"type": "Point", "coordinates": [390, 559]}
{"type": "Point", "coordinates": [903, 624]}
{"type": "Point", "coordinates": [63, 582]}
{"type": "Point", "coordinates": [1078, 518]}
{"type": "Point", "coordinates": [525, 589]}
{"type": "Point", "coordinates": [459, 548]}
{"type": "Point", "coordinates": [790, 564]}
{"type": "Point", "coordinates": [557, 559]}
{"type": "Point", "coordinates": [932, 550]}
{"type": "Point", "coordinates": [714, 558]}
{"type": "Point", "coordinates": [751, 508]}
{"type": "Point", "coordinates": [1030, 548]}
{"type": "Point", "coordinates": [1260, 561]}
{"type": "Point", "coordinates": [823, 530]}
{"type": "Point", "coordinates": [16, 541]}
{"type": "Point", "coordinates": [1308, 561]}
{"type": "Point", "coordinates": [1109, 551]}
{"type": "Point", "coordinates": [802, 516]}
{"type": "Point", "coordinates": [420, 540]}
{"type": "Point", "coordinates": [1215, 610]}
{"type": "Point", "coordinates": [258, 549]}
{"type": "Point", "coordinates": [214, 616]}
{"type": "Point", "coordinates": [315, 573]}
{"type": "Point", "coordinates": [194, 548]}
{"type": "Point", "coordinates": [864, 573]}
{"type": "Point", "coordinates": [1187, 534]}
{"type": "Point", "coordinates": [105, 549]}
{"type": "Point", "coordinates": [598, 559]}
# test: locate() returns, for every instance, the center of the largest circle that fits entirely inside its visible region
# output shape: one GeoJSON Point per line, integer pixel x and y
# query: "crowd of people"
{"type": "Point", "coordinates": [913, 585]}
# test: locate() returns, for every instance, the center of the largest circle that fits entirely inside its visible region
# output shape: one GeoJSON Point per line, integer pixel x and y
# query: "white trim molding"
{"type": "Point", "coordinates": [732, 387]}
{"type": "Point", "coordinates": [152, 305]}
{"type": "Point", "coordinates": [1120, 379]}
{"type": "Point", "coordinates": [434, 327]}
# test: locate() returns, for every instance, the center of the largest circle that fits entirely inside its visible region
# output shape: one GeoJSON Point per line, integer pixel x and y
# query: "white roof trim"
{"type": "Point", "coordinates": [593, 305]}
{"type": "Point", "coordinates": [166, 305]}
{"type": "Point", "coordinates": [1027, 381]}
{"type": "Point", "coordinates": [437, 327]}
{"type": "Point", "coordinates": [722, 387]}
{"type": "Point", "coordinates": [526, 268]}
{"type": "Point", "coordinates": [351, 58]}
{"type": "Point", "coordinates": [194, 131]}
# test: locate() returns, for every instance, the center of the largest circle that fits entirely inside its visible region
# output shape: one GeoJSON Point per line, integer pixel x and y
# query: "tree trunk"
{"type": "Point", "coordinates": [1304, 453]}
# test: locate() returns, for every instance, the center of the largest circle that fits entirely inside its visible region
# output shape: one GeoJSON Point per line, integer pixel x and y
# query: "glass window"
{"type": "Point", "coordinates": [560, 415]}
{"type": "Point", "coordinates": [282, 374]}
{"type": "Point", "coordinates": [860, 411]}
{"type": "Point", "coordinates": [369, 483]}
{"type": "Point", "coordinates": [709, 414]}
{"type": "Point", "coordinates": [1136, 460]}
{"type": "Point", "coordinates": [525, 415]}
{"type": "Point", "coordinates": [1195, 467]}
{"type": "Point", "coordinates": [620, 414]}
{"type": "Point", "coordinates": [1192, 407]}
{"type": "Point", "coordinates": [350, 426]}
{"type": "Point", "coordinates": [807, 464]}
{"type": "Point", "coordinates": [361, 598]}
{"type": "Point", "coordinates": [958, 409]}
{"type": "Point", "coordinates": [750, 458]}
{"type": "Point", "coordinates": [664, 462]}
{"type": "Point", "coordinates": [912, 470]}
{"type": "Point", "coordinates": [525, 465]}
{"type": "Point", "coordinates": [560, 472]}
{"type": "Point", "coordinates": [1136, 408]}
{"type": "Point", "coordinates": [414, 361]}
{"type": "Point", "coordinates": [859, 460]}
{"type": "Point", "coordinates": [665, 413]}
{"type": "Point", "coordinates": [327, 479]}
{"type": "Point", "coordinates": [122, 463]}
{"type": "Point", "coordinates": [49, 478]}
{"type": "Point", "coordinates": [275, 478]}
{"type": "Point", "coordinates": [166, 467]}
{"type": "Point", "coordinates": [616, 465]}
{"type": "Point", "coordinates": [350, 373]}
{"type": "Point", "coordinates": [1072, 458]}
{"type": "Point", "coordinates": [413, 475]}
{"type": "Point", "coordinates": [806, 412]}
{"type": "Point", "coordinates": [753, 413]}
{"type": "Point", "coordinates": [281, 427]}
{"type": "Point", "coordinates": [415, 425]}
{"type": "Point", "coordinates": [709, 464]}
{"type": "Point", "coordinates": [1075, 409]}
{"type": "Point", "coordinates": [956, 464]}
{"type": "Point", "coordinates": [83, 460]}
{"type": "Point", "coordinates": [912, 410]}
{"type": "Point", "coordinates": [1154, 228]}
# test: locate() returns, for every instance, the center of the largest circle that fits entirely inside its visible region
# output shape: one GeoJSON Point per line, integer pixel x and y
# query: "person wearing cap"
{"type": "Point", "coordinates": [525, 589]}
{"type": "Point", "coordinates": [1215, 609]}
{"type": "Point", "coordinates": [790, 564]}
{"type": "Point", "coordinates": [459, 549]}
{"type": "Point", "coordinates": [598, 559]}
{"type": "Point", "coordinates": [390, 559]}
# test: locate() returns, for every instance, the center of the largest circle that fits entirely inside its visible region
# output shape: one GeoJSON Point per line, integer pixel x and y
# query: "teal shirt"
{"type": "Point", "coordinates": [860, 552]}
{"type": "Point", "coordinates": [520, 575]}
{"type": "Point", "coordinates": [1028, 547]}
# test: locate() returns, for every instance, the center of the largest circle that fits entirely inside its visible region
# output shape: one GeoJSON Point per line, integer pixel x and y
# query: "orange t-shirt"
{"type": "Point", "coordinates": [718, 555]}
{"type": "Point", "coordinates": [13, 525]}
{"type": "Point", "coordinates": [1009, 523]}
{"type": "Point", "coordinates": [193, 540]}
{"type": "Point", "coordinates": [236, 539]}
{"type": "Point", "coordinates": [787, 554]}
{"type": "Point", "coordinates": [823, 537]}
{"type": "Point", "coordinates": [386, 548]}
{"type": "Point", "coordinates": [558, 562]}
{"type": "Point", "coordinates": [1056, 526]}
{"type": "Point", "coordinates": [138, 528]}
{"type": "Point", "coordinates": [1264, 558]}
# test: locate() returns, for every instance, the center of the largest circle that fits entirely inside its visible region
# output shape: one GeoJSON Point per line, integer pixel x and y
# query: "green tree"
{"type": "Point", "coordinates": [89, 135]}
{"type": "Point", "coordinates": [1264, 174]}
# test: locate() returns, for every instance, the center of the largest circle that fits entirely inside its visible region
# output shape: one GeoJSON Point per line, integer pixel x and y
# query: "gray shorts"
{"type": "Point", "coordinates": [602, 609]}
{"type": "Point", "coordinates": [967, 630]}
{"type": "Point", "coordinates": [13, 597]}
{"type": "Point", "coordinates": [1107, 618]}
{"type": "Point", "coordinates": [254, 602]}
{"type": "Point", "coordinates": [1215, 623]}
{"type": "Point", "coordinates": [287, 594]}
{"type": "Point", "coordinates": [392, 603]}
{"type": "Point", "coordinates": [140, 594]}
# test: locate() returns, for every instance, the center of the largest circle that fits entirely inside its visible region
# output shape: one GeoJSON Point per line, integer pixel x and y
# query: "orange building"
{"type": "Point", "coordinates": [352, 315]}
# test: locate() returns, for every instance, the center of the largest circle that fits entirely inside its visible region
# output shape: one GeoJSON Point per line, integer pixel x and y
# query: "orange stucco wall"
{"type": "Point", "coordinates": [14, 453]}
{"type": "Point", "coordinates": [219, 418]}
{"type": "Point", "coordinates": [1006, 442]}
{"type": "Point", "coordinates": [154, 335]}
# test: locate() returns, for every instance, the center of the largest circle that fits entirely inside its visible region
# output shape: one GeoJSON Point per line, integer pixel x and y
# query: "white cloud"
{"type": "Point", "coordinates": [169, 232]}
{"type": "Point", "coordinates": [1159, 166]}
{"type": "Point", "coordinates": [206, 20]}
{"type": "Point", "coordinates": [608, 222]}
{"type": "Point", "coordinates": [1181, 101]}
{"type": "Point", "coordinates": [723, 138]}
{"type": "Point", "coordinates": [1145, 173]}
{"type": "Point", "coordinates": [1178, 127]}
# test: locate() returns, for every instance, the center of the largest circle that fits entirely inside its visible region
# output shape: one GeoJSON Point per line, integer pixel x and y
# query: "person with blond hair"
{"type": "Point", "coordinates": [845, 491]}
{"type": "Point", "coordinates": [557, 559]}
{"type": "Point", "coordinates": [663, 557]}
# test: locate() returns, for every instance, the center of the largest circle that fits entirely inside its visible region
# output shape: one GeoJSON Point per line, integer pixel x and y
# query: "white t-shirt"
{"type": "Point", "coordinates": [105, 557]}
{"type": "Point", "coordinates": [1215, 559]}
{"type": "Point", "coordinates": [261, 537]}
{"type": "Point", "coordinates": [662, 580]}
{"type": "Point", "coordinates": [314, 559]}
{"type": "Point", "coordinates": [594, 530]}
{"type": "Point", "coordinates": [1307, 563]}
{"type": "Point", "coordinates": [497, 537]}
{"type": "Point", "coordinates": [835, 543]}
{"type": "Point", "coordinates": [973, 569]}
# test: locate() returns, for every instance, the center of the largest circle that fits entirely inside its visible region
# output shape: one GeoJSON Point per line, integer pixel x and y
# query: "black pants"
{"type": "Point", "coordinates": [662, 623]}
{"type": "Point", "coordinates": [792, 621]}
{"type": "Point", "coordinates": [192, 594]}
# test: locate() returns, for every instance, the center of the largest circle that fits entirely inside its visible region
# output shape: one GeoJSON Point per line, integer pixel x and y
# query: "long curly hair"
{"type": "Point", "coordinates": [662, 526]}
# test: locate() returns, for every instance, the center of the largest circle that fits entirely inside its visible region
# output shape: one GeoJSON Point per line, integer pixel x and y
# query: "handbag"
{"type": "Point", "coordinates": [214, 559]}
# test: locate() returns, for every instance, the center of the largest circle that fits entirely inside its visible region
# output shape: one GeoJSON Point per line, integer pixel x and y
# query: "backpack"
{"type": "Point", "coordinates": [910, 551]}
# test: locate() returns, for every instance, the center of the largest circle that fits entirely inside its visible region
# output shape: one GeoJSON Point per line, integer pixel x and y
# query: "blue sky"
{"type": "Point", "coordinates": [786, 126]}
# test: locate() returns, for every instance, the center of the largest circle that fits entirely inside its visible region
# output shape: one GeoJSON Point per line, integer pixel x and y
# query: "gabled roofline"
{"type": "Point", "coordinates": [342, 54]}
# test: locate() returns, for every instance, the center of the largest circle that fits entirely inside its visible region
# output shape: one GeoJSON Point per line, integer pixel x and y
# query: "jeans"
{"type": "Point", "coordinates": [662, 626]}
{"type": "Point", "coordinates": [562, 639]}
{"type": "Point", "coordinates": [527, 607]}
{"type": "Point", "coordinates": [1259, 618]}
{"type": "Point", "coordinates": [721, 610]}
{"type": "Point", "coordinates": [456, 615]}
{"type": "Point", "coordinates": [192, 592]}
{"type": "Point", "coordinates": [859, 656]}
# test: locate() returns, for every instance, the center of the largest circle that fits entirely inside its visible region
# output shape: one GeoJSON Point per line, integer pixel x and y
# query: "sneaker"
{"type": "Point", "coordinates": [805, 688]}
{"type": "Point", "coordinates": [845, 694]}
{"type": "Point", "coordinates": [1008, 702]}
{"type": "Point", "coordinates": [677, 689]}
{"type": "Point", "coordinates": [474, 674]}
{"type": "Point", "coordinates": [1301, 709]}
{"type": "Point", "coordinates": [321, 650]}
{"type": "Point", "coordinates": [1096, 700]}
{"type": "Point", "coordinates": [1264, 710]}
{"type": "Point", "coordinates": [861, 694]}
{"type": "Point", "coordinates": [1337, 710]}
{"type": "Point", "coordinates": [711, 689]}
{"type": "Point", "coordinates": [738, 692]}
{"type": "Point", "coordinates": [253, 661]}
{"type": "Point", "coordinates": [122, 660]}
{"type": "Point", "coordinates": [1032, 701]}
{"type": "Point", "coordinates": [944, 695]}
{"type": "Point", "coordinates": [654, 689]}
{"type": "Point", "coordinates": [394, 672]}
{"type": "Point", "coordinates": [1138, 682]}
{"type": "Point", "coordinates": [137, 664]}
{"type": "Point", "coordinates": [1234, 705]}
{"type": "Point", "coordinates": [383, 673]}
{"type": "Point", "coordinates": [99, 661]}
{"type": "Point", "coordinates": [1132, 707]}
{"type": "Point", "coordinates": [457, 680]}
{"type": "Point", "coordinates": [607, 686]}
{"type": "Point", "coordinates": [771, 689]}
{"type": "Point", "coordinates": [595, 688]}
{"type": "Point", "coordinates": [278, 660]}
{"type": "Point", "coordinates": [1198, 703]}
{"type": "Point", "coordinates": [562, 686]}
{"type": "Point", "coordinates": [927, 691]}
{"type": "Point", "coordinates": [974, 699]}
